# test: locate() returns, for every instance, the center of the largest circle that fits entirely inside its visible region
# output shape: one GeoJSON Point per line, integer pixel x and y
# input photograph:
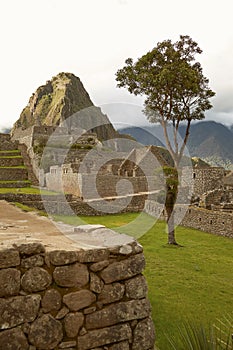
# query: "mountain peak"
{"type": "Point", "coordinates": [55, 101]}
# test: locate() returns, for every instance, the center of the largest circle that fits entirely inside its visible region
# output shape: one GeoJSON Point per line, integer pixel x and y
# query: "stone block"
{"type": "Point", "coordinates": [118, 312]}
{"type": "Point", "coordinates": [72, 323]}
{"type": "Point", "coordinates": [46, 332]}
{"type": "Point", "coordinates": [136, 287]}
{"type": "Point", "coordinates": [9, 282]}
{"type": "Point", "coordinates": [9, 258]}
{"type": "Point", "coordinates": [93, 255]}
{"type": "Point", "coordinates": [32, 261]}
{"type": "Point", "coordinates": [96, 284]}
{"type": "Point", "coordinates": [18, 310]}
{"type": "Point", "coordinates": [13, 339]}
{"type": "Point", "coordinates": [30, 248]}
{"type": "Point", "coordinates": [75, 275]}
{"type": "Point", "coordinates": [51, 300]}
{"type": "Point", "coordinates": [104, 336]}
{"type": "Point", "coordinates": [35, 280]}
{"type": "Point", "coordinates": [99, 265]}
{"type": "Point", "coordinates": [124, 269]}
{"type": "Point", "coordinates": [63, 257]}
{"type": "Point", "coordinates": [111, 293]}
{"type": "Point", "coordinates": [79, 300]}
{"type": "Point", "coordinates": [144, 335]}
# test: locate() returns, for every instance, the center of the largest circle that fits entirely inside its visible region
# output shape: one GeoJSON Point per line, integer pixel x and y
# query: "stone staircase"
{"type": "Point", "coordinates": [13, 172]}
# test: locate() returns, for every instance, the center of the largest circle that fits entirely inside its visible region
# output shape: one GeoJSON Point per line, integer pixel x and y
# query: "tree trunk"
{"type": "Point", "coordinates": [171, 225]}
{"type": "Point", "coordinates": [170, 201]}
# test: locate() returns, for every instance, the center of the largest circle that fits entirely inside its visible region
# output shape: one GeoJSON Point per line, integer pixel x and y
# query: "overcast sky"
{"type": "Point", "coordinates": [92, 39]}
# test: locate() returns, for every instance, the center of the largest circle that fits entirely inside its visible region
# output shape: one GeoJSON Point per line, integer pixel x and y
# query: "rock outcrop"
{"type": "Point", "coordinates": [60, 98]}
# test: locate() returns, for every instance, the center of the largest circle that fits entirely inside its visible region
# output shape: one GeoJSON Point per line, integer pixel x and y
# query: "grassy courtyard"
{"type": "Point", "coordinates": [191, 283]}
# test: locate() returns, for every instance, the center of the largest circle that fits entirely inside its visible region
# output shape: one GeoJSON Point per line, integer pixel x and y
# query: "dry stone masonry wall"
{"type": "Point", "coordinates": [79, 299]}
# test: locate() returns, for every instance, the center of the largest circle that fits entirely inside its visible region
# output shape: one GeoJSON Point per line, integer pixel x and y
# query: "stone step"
{"type": "Point", "coordinates": [10, 161]}
{"type": "Point", "coordinates": [15, 184]}
{"type": "Point", "coordinates": [10, 153]}
{"type": "Point", "coordinates": [13, 174]}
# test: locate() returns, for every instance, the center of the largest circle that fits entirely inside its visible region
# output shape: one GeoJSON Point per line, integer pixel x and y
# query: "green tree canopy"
{"type": "Point", "coordinates": [174, 87]}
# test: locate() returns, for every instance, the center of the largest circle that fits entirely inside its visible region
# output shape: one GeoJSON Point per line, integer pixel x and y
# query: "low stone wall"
{"type": "Point", "coordinates": [78, 299]}
{"type": "Point", "coordinates": [6, 161]}
{"type": "Point", "coordinates": [55, 204]}
{"type": "Point", "coordinates": [13, 174]}
{"type": "Point", "coordinates": [216, 222]}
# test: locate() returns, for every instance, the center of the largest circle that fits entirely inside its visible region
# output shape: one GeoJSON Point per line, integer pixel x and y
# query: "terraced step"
{"type": "Point", "coordinates": [11, 161]}
{"type": "Point", "coordinates": [17, 173]}
{"type": "Point", "coordinates": [10, 153]}
{"type": "Point", "coordinates": [15, 184]}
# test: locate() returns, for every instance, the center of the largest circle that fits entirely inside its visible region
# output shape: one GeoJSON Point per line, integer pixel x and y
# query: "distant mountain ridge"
{"type": "Point", "coordinates": [208, 140]}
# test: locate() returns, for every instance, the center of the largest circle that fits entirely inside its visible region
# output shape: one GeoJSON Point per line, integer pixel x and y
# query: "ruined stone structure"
{"type": "Point", "coordinates": [207, 179]}
{"type": "Point", "coordinates": [75, 298]}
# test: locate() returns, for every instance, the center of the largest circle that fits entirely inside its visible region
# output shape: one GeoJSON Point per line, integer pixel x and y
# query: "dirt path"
{"type": "Point", "coordinates": [17, 226]}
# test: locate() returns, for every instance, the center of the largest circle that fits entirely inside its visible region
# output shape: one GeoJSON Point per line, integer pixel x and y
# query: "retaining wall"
{"type": "Point", "coordinates": [13, 174]}
{"type": "Point", "coordinates": [216, 222]}
{"type": "Point", "coordinates": [78, 299]}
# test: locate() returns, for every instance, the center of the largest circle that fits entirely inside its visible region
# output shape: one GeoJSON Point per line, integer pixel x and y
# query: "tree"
{"type": "Point", "coordinates": [176, 92]}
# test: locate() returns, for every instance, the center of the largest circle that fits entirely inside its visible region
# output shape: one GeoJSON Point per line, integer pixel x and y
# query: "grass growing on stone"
{"type": "Point", "coordinates": [10, 157]}
{"type": "Point", "coordinates": [26, 190]}
{"type": "Point", "coordinates": [28, 209]}
{"type": "Point", "coordinates": [13, 167]}
{"type": "Point", "coordinates": [10, 151]}
{"type": "Point", "coordinates": [191, 283]}
{"type": "Point", "coordinates": [14, 181]}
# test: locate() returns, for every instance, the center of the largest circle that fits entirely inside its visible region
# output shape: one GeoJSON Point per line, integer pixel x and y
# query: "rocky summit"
{"type": "Point", "coordinates": [60, 98]}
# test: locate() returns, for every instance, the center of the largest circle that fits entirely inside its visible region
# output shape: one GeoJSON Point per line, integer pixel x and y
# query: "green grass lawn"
{"type": "Point", "coordinates": [189, 283]}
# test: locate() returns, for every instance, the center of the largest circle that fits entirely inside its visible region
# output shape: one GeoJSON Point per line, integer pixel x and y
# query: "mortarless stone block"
{"type": "Point", "coordinates": [79, 300]}
{"type": "Point", "coordinates": [46, 332]}
{"type": "Point", "coordinates": [35, 280]}
{"type": "Point", "coordinates": [9, 258]}
{"type": "Point", "coordinates": [119, 312]}
{"type": "Point", "coordinates": [18, 310]}
{"type": "Point", "coordinates": [75, 275]}
{"type": "Point", "coordinates": [124, 269]}
{"type": "Point", "coordinates": [104, 336]}
{"type": "Point", "coordinates": [13, 339]}
{"type": "Point", "coordinates": [9, 282]}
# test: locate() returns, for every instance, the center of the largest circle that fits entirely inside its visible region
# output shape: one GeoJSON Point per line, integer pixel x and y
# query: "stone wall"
{"type": "Point", "coordinates": [216, 197]}
{"type": "Point", "coordinates": [5, 143]}
{"type": "Point", "coordinates": [216, 222]}
{"type": "Point", "coordinates": [13, 174]}
{"type": "Point", "coordinates": [78, 299]}
{"type": "Point", "coordinates": [207, 179]}
{"type": "Point", "coordinates": [8, 162]}
{"type": "Point", "coordinates": [56, 204]}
